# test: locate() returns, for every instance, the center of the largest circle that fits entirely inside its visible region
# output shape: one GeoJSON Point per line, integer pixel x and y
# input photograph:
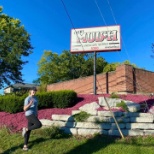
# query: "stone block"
{"type": "Point", "coordinates": [62, 117]}
{"type": "Point", "coordinates": [112, 102]}
{"type": "Point", "coordinates": [142, 119]}
{"type": "Point", "coordinates": [85, 132]}
{"type": "Point", "coordinates": [109, 114]}
{"type": "Point", "coordinates": [76, 112]}
{"type": "Point", "coordinates": [121, 126]}
{"type": "Point", "coordinates": [126, 132]}
{"type": "Point", "coordinates": [99, 119]}
{"type": "Point", "coordinates": [67, 130]}
{"type": "Point", "coordinates": [137, 114]}
{"type": "Point", "coordinates": [90, 108]}
{"type": "Point", "coordinates": [46, 122]}
{"type": "Point", "coordinates": [148, 132]}
{"type": "Point", "coordinates": [87, 125]}
{"type": "Point", "coordinates": [105, 125]}
{"type": "Point", "coordinates": [132, 107]}
{"type": "Point", "coordinates": [140, 126]}
{"type": "Point", "coordinates": [121, 120]}
{"type": "Point", "coordinates": [70, 124]}
{"type": "Point", "coordinates": [53, 123]}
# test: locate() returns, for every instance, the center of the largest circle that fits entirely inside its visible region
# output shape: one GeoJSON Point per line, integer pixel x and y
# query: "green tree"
{"type": "Point", "coordinates": [129, 63]}
{"type": "Point", "coordinates": [14, 45]}
{"type": "Point", "coordinates": [56, 68]}
{"type": "Point", "coordinates": [89, 64]}
{"type": "Point", "coordinates": [1, 9]}
{"type": "Point", "coordinates": [112, 66]}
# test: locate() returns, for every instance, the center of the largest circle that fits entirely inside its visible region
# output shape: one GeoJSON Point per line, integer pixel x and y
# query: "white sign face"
{"type": "Point", "coordinates": [95, 39]}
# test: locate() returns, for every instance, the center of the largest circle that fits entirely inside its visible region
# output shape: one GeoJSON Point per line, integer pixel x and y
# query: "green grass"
{"type": "Point", "coordinates": [42, 143]}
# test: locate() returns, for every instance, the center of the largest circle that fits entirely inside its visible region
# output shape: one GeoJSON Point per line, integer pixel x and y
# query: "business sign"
{"type": "Point", "coordinates": [96, 39]}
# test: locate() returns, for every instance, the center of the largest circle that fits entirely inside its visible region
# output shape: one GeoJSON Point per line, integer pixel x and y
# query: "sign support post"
{"type": "Point", "coordinates": [95, 87]}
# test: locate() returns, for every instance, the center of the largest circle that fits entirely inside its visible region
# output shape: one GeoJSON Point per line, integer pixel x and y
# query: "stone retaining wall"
{"type": "Point", "coordinates": [101, 122]}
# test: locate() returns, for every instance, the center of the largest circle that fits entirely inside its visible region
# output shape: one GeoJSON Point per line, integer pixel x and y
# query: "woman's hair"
{"type": "Point", "coordinates": [32, 89]}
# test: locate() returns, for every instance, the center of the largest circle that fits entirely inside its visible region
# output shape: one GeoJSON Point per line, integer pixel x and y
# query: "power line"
{"type": "Point", "coordinates": [71, 22]}
{"type": "Point", "coordinates": [111, 10]}
{"type": "Point", "coordinates": [100, 12]}
{"type": "Point", "coordinates": [68, 14]}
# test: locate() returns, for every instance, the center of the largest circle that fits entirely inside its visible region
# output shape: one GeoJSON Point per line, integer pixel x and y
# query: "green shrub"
{"type": "Point", "coordinates": [11, 103]}
{"type": "Point", "coordinates": [123, 105]}
{"type": "Point", "coordinates": [81, 117]}
{"type": "Point", "coordinates": [64, 98]}
{"type": "Point", "coordinates": [59, 99]}
{"type": "Point", "coordinates": [45, 100]}
{"type": "Point", "coordinates": [114, 95]}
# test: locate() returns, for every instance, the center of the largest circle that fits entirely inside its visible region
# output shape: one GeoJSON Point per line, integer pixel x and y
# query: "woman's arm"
{"type": "Point", "coordinates": [26, 107]}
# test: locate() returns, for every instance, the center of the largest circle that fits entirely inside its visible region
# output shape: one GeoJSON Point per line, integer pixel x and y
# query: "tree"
{"type": "Point", "coordinates": [14, 45]}
{"type": "Point", "coordinates": [112, 66]}
{"type": "Point", "coordinates": [56, 68]}
{"type": "Point", "coordinates": [1, 9]}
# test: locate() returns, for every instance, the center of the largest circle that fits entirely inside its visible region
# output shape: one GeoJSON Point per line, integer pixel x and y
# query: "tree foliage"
{"type": "Point", "coordinates": [112, 66]}
{"type": "Point", "coordinates": [14, 45]}
{"type": "Point", "coordinates": [55, 68]}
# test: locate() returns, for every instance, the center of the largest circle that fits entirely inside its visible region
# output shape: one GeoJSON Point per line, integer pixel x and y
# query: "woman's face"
{"type": "Point", "coordinates": [32, 92]}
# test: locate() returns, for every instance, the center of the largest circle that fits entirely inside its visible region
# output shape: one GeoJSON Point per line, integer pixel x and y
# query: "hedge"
{"type": "Point", "coordinates": [53, 99]}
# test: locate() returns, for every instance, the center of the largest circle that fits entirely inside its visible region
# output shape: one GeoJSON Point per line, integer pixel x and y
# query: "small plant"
{"type": "Point", "coordinates": [114, 95]}
{"type": "Point", "coordinates": [52, 132]}
{"type": "Point", "coordinates": [80, 117]}
{"type": "Point", "coordinates": [123, 105]}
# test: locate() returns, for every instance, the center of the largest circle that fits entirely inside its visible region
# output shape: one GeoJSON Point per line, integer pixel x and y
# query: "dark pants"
{"type": "Point", "coordinates": [33, 123]}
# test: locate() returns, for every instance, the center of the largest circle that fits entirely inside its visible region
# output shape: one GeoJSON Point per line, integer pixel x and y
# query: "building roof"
{"type": "Point", "coordinates": [22, 85]}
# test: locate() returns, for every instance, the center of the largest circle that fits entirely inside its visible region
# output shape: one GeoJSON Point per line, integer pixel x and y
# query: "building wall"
{"type": "Point", "coordinates": [8, 90]}
{"type": "Point", "coordinates": [125, 79]}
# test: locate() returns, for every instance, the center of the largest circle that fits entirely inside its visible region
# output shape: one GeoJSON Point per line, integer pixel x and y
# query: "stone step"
{"type": "Point", "coordinates": [139, 126]}
{"type": "Point", "coordinates": [62, 117]}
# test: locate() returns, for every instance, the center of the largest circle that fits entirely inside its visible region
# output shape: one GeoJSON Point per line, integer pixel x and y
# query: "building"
{"type": "Point", "coordinates": [18, 87]}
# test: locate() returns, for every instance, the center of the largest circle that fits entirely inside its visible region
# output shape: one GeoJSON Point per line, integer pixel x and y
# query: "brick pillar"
{"type": "Point", "coordinates": [124, 79]}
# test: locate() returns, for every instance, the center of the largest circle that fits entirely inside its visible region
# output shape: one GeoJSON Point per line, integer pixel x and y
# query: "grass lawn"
{"type": "Point", "coordinates": [44, 141]}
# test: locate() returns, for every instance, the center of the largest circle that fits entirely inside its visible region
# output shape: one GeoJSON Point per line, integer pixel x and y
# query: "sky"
{"type": "Point", "coordinates": [49, 22]}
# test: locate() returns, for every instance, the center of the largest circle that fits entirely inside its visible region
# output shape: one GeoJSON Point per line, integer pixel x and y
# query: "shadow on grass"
{"type": "Point", "coordinates": [45, 135]}
{"type": "Point", "coordinates": [93, 145]}
{"type": "Point", "coordinates": [31, 143]}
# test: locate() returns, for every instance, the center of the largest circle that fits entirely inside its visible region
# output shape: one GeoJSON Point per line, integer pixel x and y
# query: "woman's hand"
{"type": "Point", "coordinates": [28, 105]}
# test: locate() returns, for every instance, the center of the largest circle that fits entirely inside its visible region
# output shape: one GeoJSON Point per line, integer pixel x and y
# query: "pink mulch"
{"type": "Point", "coordinates": [17, 121]}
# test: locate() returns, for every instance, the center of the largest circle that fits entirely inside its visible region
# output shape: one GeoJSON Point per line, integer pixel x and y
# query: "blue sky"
{"type": "Point", "coordinates": [49, 26]}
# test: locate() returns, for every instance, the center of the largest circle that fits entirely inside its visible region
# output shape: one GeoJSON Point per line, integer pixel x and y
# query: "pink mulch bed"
{"type": "Point", "coordinates": [17, 121]}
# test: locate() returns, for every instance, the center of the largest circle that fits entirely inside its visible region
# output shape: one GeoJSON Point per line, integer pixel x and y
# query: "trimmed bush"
{"type": "Point", "coordinates": [45, 100]}
{"type": "Point", "coordinates": [58, 99]}
{"type": "Point", "coordinates": [64, 98]}
{"type": "Point", "coordinates": [11, 103]}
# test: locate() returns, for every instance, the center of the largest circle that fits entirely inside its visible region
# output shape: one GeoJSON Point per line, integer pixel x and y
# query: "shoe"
{"type": "Point", "coordinates": [25, 148]}
{"type": "Point", "coordinates": [23, 131]}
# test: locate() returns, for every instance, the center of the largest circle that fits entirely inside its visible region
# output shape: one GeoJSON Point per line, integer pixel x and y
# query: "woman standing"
{"type": "Point", "coordinates": [31, 111]}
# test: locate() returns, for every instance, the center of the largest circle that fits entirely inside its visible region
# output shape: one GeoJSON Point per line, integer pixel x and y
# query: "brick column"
{"type": "Point", "coordinates": [124, 79]}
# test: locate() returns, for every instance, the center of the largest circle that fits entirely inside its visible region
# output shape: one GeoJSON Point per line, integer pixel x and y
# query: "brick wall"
{"type": "Point", "coordinates": [125, 79]}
